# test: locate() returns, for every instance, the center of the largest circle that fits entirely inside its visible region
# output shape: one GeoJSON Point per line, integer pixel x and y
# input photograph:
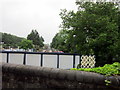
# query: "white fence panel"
{"type": "Point", "coordinates": [33, 59]}
{"type": "Point", "coordinates": [16, 58]}
{"type": "Point", "coordinates": [3, 57]}
{"type": "Point", "coordinates": [77, 60]}
{"type": "Point", "coordinates": [50, 61]}
{"type": "Point", "coordinates": [66, 61]}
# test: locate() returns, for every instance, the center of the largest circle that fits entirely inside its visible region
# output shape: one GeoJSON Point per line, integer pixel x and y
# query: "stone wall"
{"type": "Point", "coordinates": [24, 76]}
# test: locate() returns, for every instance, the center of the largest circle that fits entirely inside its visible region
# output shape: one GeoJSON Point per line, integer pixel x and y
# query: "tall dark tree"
{"type": "Point", "coordinates": [36, 39]}
{"type": "Point", "coordinates": [60, 40]}
{"type": "Point", "coordinates": [96, 30]}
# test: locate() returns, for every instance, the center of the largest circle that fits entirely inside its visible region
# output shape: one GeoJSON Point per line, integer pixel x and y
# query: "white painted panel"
{"type": "Point", "coordinates": [66, 61]}
{"type": "Point", "coordinates": [77, 58]}
{"type": "Point", "coordinates": [16, 58]}
{"type": "Point", "coordinates": [33, 59]}
{"type": "Point", "coordinates": [50, 61]}
{"type": "Point", "coordinates": [3, 57]}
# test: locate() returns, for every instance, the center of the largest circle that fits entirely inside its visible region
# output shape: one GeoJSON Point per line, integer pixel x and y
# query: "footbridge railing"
{"type": "Point", "coordinates": [41, 58]}
{"type": "Point", "coordinates": [45, 59]}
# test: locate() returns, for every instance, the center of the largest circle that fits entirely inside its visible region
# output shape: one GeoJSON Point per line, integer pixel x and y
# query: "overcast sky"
{"type": "Point", "coordinates": [19, 17]}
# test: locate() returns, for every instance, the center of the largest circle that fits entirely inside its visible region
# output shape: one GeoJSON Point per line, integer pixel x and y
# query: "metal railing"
{"type": "Point", "coordinates": [42, 54]}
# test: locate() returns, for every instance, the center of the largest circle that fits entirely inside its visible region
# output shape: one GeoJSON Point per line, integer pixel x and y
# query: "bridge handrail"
{"type": "Point", "coordinates": [53, 53]}
{"type": "Point", "coordinates": [41, 53]}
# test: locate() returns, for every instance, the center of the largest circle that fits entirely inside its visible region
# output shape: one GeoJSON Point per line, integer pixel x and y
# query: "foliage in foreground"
{"type": "Point", "coordinates": [107, 69]}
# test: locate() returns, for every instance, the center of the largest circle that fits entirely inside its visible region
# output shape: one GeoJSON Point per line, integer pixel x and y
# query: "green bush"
{"type": "Point", "coordinates": [107, 69]}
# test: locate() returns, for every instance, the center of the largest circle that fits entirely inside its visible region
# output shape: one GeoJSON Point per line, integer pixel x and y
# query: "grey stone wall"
{"type": "Point", "coordinates": [24, 76]}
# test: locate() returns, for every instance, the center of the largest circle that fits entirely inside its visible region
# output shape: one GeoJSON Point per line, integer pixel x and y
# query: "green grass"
{"type": "Point", "coordinates": [107, 69]}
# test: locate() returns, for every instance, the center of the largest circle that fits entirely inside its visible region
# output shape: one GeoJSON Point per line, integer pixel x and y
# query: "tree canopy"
{"type": "Point", "coordinates": [60, 40]}
{"type": "Point", "coordinates": [26, 44]}
{"type": "Point", "coordinates": [36, 38]}
{"type": "Point", "coordinates": [10, 40]}
{"type": "Point", "coordinates": [94, 29]}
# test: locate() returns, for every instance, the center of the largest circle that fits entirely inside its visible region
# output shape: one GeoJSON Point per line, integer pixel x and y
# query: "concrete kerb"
{"type": "Point", "coordinates": [20, 69]}
{"type": "Point", "coordinates": [79, 76]}
{"type": "Point", "coordinates": [54, 73]}
{"type": "Point", "coordinates": [46, 72]}
{"type": "Point", "coordinates": [6, 67]}
{"type": "Point", "coordinates": [11, 68]}
{"type": "Point", "coordinates": [114, 80]}
{"type": "Point", "coordinates": [97, 78]}
{"type": "Point", "coordinates": [89, 77]}
{"type": "Point", "coordinates": [62, 74]}
{"type": "Point", "coordinates": [85, 77]}
{"type": "Point", "coordinates": [28, 70]}
{"type": "Point", "coordinates": [71, 75]}
{"type": "Point", "coordinates": [37, 71]}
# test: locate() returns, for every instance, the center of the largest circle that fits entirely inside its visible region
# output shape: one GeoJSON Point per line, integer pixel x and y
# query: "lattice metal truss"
{"type": "Point", "coordinates": [87, 61]}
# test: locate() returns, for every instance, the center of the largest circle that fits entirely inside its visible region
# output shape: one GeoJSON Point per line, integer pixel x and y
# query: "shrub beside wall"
{"type": "Point", "coordinates": [25, 76]}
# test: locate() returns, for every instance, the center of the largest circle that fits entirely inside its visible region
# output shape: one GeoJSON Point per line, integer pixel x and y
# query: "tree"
{"type": "Point", "coordinates": [96, 30]}
{"type": "Point", "coordinates": [37, 40]}
{"type": "Point", "coordinates": [26, 44]}
{"type": "Point", "coordinates": [59, 41]}
{"type": "Point", "coordinates": [10, 40]}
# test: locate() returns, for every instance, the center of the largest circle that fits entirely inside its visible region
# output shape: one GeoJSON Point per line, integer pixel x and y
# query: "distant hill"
{"type": "Point", "coordinates": [10, 40]}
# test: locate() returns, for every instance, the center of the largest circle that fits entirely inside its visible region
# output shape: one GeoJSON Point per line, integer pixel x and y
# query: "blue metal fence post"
{"type": "Point", "coordinates": [41, 60]}
{"type": "Point", "coordinates": [79, 59]}
{"type": "Point", "coordinates": [58, 61]}
{"type": "Point", "coordinates": [24, 60]}
{"type": "Point", "coordinates": [7, 57]}
{"type": "Point", "coordinates": [73, 61]}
